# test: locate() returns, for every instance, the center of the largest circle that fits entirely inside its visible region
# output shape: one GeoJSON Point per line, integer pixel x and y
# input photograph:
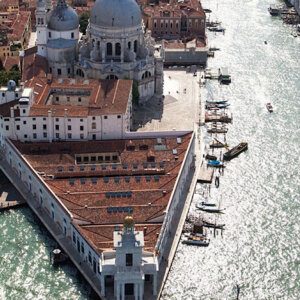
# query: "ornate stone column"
{"type": "Point", "coordinates": [103, 51]}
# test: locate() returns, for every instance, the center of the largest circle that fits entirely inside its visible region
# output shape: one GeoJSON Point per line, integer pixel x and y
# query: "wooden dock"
{"type": "Point", "coordinates": [205, 175]}
{"type": "Point", "coordinates": [4, 204]}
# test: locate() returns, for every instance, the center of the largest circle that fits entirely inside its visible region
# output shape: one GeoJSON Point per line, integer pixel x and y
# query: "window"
{"type": "Point", "coordinates": [94, 118]}
{"type": "Point", "coordinates": [57, 135]}
{"type": "Point", "coordinates": [49, 34]}
{"type": "Point", "coordinates": [107, 158]}
{"type": "Point", "coordinates": [58, 71]}
{"type": "Point", "coordinates": [57, 119]}
{"type": "Point", "coordinates": [24, 111]}
{"type": "Point", "coordinates": [81, 128]}
{"type": "Point", "coordinates": [81, 136]}
{"type": "Point", "coordinates": [108, 49]}
{"type": "Point", "coordinates": [82, 247]}
{"type": "Point", "coordinates": [6, 127]}
{"type": "Point", "coordinates": [94, 136]}
{"type": "Point", "coordinates": [69, 135]}
{"type": "Point", "coordinates": [45, 134]}
{"type": "Point", "coordinates": [128, 259]}
{"type": "Point", "coordinates": [78, 159]}
{"type": "Point", "coordinates": [68, 99]}
{"type": "Point", "coordinates": [44, 126]}
{"type": "Point", "coordinates": [56, 127]}
{"type": "Point", "coordinates": [25, 136]}
{"type": "Point", "coordinates": [79, 99]}
{"type": "Point", "coordinates": [90, 257]}
{"type": "Point", "coordinates": [74, 238]}
{"type": "Point", "coordinates": [105, 117]}
{"type": "Point", "coordinates": [34, 135]}
{"type": "Point", "coordinates": [81, 120]}
{"type": "Point", "coordinates": [119, 117]}
{"type": "Point", "coordinates": [86, 159]}
{"type": "Point", "coordinates": [135, 46]}
{"type": "Point", "coordinates": [57, 98]}
{"type": "Point", "coordinates": [93, 125]}
{"type": "Point", "coordinates": [69, 127]}
{"type": "Point", "coordinates": [50, 70]}
{"type": "Point", "coordinates": [118, 49]}
{"type": "Point", "coordinates": [34, 127]}
{"type": "Point", "coordinates": [18, 127]}
{"type": "Point", "coordinates": [93, 158]}
{"type": "Point", "coordinates": [72, 35]}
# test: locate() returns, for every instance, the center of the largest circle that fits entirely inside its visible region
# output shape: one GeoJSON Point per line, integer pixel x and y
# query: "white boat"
{"type": "Point", "coordinates": [196, 241]}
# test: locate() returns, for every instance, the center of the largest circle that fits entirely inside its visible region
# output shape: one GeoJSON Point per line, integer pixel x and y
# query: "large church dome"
{"type": "Point", "coordinates": [63, 17]}
{"type": "Point", "coordinates": [116, 13]}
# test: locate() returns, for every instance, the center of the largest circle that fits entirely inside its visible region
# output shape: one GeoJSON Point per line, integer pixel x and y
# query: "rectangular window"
{"type": "Point", "coordinates": [68, 99]}
{"type": "Point", "coordinates": [129, 259]}
{"type": "Point", "coordinates": [69, 135]}
{"type": "Point", "coordinates": [105, 117]}
{"type": "Point", "coordinates": [44, 126]}
{"type": "Point", "coordinates": [57, 135]}
{"type": "Point", "coordinates": [34, 127]}
{"type": "Point", "coordinates": [79, 99]}
{"type": "Point", "coordinates": [6, 127]}
{"type": "Point", "coordinates": [34, 135]}
{"type": "Point", "coordinates": [69, 127]}
{"type": "Point", "coordinates": [81, 136]}
{"type": "Point", "coordinates": [93, 125]}
{"type": "Point", "coordinates": [74, 237]}
{"type": "Point", "coordinates": [57, 98]}
{"type": "Point", "coordinates": [81, 128]}
{"type": "Point", "coordinates": [56, 127]}
{"type": "Point", "coordinates": [18, 127]}
{"type": "Point", "coordinates": [59, 71]}
{"type": "Point", "coordinates": [24, 122]}
{"type": "Point", "coordinates": [45, 134]}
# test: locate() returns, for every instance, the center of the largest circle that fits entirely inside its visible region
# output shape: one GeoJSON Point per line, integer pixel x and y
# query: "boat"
{"type": "Point", "coordinates": [207, 204]}
{"type": "Point", "coordinates": [224, 106]}
{"type": "Point", "coordinates": [217, 181]}
{"type": "Point", "coordinates": [210, 105]}
{"type": "Point", "coordinates": [216, 164]}
{"type": "Point", "coordinates": [274, 10]}
{"type": "Point", "coordinates": [235, 151]}
{"type": "Point", "coordinates": [216, 102]}
{"type": "Point", "coordinates": [207, 10]}
{"type": "Point", "coordinates": [210, 209]}
{"type": "Point", "coordinates": [214, 49]}
{"type": "Point", "coordinates": [218, 118]}
{"type": "Point", "coordinates": [196, 241]}
{"type": "Point", "coordinates": [269, 107]}
{"type": "Point", "coordinates": [210, 157]}
{"type": "Point", "coordinates": [217, 130]}
{"type": "Point", "coordinates": [213, 225]}
{"type": "Point", "coordinates": [216, 145]}
{"type": "Point", "coordinates": [216, 29]}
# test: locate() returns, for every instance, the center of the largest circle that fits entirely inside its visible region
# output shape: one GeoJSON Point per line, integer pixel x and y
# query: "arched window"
{"type": "Point", "coordinates": [147, 74]}
{"type": "Point", "coordinates": [112, 76]}
{"type": "Point", "coordinates": [135, 46]}
{"type": "Point", "coordinates": [129, 45]}
{"type": "Point", "coordinates": [118, 49]}
{"type": "Point", "coordinates": [108, 49]}
{"type": "Point", "coordinates": [98, 44]}
{"type": "Point", "coordinates": [80, 73]}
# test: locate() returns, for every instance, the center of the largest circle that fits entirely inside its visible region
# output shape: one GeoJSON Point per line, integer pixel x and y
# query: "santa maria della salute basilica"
{"type": "Point", "coordinates": [115, 45]}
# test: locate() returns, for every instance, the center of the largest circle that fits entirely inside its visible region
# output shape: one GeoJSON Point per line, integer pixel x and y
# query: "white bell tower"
{"type": "Point", "coordinates": [41, 28]}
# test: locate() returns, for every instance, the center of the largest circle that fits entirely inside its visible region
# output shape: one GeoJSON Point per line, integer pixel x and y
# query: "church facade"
{"type": "Point", "coordinates": [115, 46]}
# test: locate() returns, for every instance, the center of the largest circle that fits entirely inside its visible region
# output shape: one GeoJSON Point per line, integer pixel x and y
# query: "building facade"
{"type": "Point", "coordinates": [115, 46]}
{"type": "Point", "coordinates": [65, 109]}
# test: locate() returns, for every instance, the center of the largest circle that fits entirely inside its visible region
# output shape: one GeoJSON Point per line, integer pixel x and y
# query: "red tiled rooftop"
{"type": "Point", "coordinates": [99, 199]}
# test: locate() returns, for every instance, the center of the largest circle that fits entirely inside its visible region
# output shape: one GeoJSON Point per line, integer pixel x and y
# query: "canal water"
{"type": "Point", "coordinates": [259, 249]}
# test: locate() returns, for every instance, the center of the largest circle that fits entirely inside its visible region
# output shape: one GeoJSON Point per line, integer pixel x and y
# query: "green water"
{"type": "Point", "coordinates": [260, 248]}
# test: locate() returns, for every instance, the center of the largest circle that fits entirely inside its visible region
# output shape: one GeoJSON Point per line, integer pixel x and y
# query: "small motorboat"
{"type": "Point", "coordinates": [213, 225]}
{"type": "Point", "coordinates": [216, 102]}
{"type": "Point", "coordinates": [235, 151]}
{"type": "Point", "coordinates": [269, 107]}
{"type": "Point", "coordinates": [210, 209]}
{"type": "Point", "coordinates": [217, 145]}
{"type": "Point", "coordinates": [215, 164]}
{"type": "Point", "coordinates": [196, 241]}
{"type": "Point", "coordinates": [210, 157]}
{"type": "Point", "coordinates": [207, 204]}
{"type": "Point", "coordinates": [216, 29]}
{"type": "Point", "coordinates": [217, 130]}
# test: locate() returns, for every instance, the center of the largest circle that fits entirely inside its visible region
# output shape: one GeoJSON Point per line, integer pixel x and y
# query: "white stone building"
{"type": "Point", "coordinates": [65, 109]}
{"type": "Point", "coordinates": [115, 46]}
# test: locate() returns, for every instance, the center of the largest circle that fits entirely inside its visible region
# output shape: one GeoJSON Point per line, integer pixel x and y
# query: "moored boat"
{"type": "Point", "coordinates": [274, 11]}
{"type": "Point", "coordinates": [213, 225]}
{"type": "Point", "coordinates": [217, 130]}
{"type": "Point", "coordinates": [207, 204]}
{"type": "Point", "coordinates": [235, 151]}
{"type": "Point", "coordinates": [216, 145]}
{"type": "Point", "coordinates": [216, 102]}
{"type": "Point", "coordinates": [196, 241]}
{"type": "Point", "coordinates": [210, 157]}
{"type": "Point", "coordinates": [210, 209]}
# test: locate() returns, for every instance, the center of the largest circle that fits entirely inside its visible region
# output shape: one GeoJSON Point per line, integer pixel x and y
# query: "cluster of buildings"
{"type": "Point", "coordinates": [114, 195]}
{"type": "Point", "coordinates": [15, 28]}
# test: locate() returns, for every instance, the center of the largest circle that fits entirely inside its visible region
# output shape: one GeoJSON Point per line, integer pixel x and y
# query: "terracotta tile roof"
{"type": "Point", "coordinates": [10, 61]}
{"type": "Point", "coordinates": [19, 25]}
{"type": "Point", "coordinates": [106, 96]}
{"type": "Point", "coordinates": [33, 65]}
{"type": "Point", "coordinates": [5, 108]}
{"type": "Point", "coordinates": [104, 199]}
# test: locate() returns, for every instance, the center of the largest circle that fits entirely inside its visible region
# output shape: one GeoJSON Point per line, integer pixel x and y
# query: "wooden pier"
{"type": "Point", "coordinates": [205, 175]}
{"type": "Point", "coordinates": [4, 204]}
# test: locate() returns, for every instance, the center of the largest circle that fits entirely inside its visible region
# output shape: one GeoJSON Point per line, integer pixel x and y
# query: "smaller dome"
{"type": "Point", "coordinates": [128, 221]}
{"type": "Point", "coordinates": [11, 85]}
{"type": "Point", "coordinates": [63, 17]}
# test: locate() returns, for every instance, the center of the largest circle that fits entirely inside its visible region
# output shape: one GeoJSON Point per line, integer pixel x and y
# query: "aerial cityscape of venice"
{"type": "Point", "coordinates": [149, 149]}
